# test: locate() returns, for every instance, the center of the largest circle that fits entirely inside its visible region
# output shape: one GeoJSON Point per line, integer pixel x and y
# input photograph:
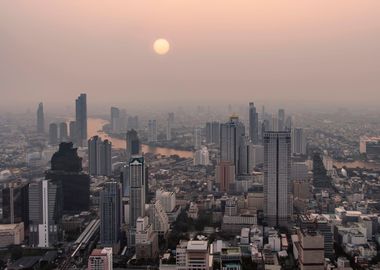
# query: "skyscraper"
{"type": "Point", "coordinates": [137, 189]}
{"type": "Point", "coordinates": [225, 176]}
{"type": "Point", "coordinates": [213, 132]}
{"type": "Point", "coordinates": [99, 156]}
{"type": "Point", "coordinates": [278, 205]}
{"type": "Point", "coordinates": [44, 213]}
{"type": "Point", "coordinates": [81, 119]}
{"type": "Point", "coordinates": [67, 173]}
{"type": "Point", "coordinates": [110, 219]}
{"type": "Point", "coordinates": [115, 120]}
{"type": "Point", "coordinates": [281, 120]}
{"type": "Point", "coordinates": [253, 124]}
{"type": "Point", "coordinates": [133, 144]}
{"type": "Point", "coordinates": [298, 142]}
{"type": "Point", "coordinates": [169, 127]}
{"type": "Point", "coordinates": [40, 119]}
{"type": "Point", "coordinates": [53, 134]}
{"type": "Point", "coordinates": [152, 131]}
{"type": "Point", "coordinates": [231, 134]}
{"type": "Point", "coordinates": [72, 130]}
{"type": "Point", "coordinates": [14, 204]}
{"type": "Point", "coordinates": [246, 156]}
{"type": "Point", "coordinates": [197, 138]}
{"type": "Point", "coordinates": [63, 134]}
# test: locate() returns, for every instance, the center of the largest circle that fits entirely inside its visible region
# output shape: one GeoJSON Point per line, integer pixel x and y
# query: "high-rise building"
{"type": "Point", "coordinates": [53, 134]}
{"type": "Point", "coordinates": [100, 259]}
{"type": "Point", "coordinates": [44, 213]}
{"type": "Point", "coordinates": [40, 119]}
{"type": "Point", "coordinates": [281, 120]}
{"type": "Point", "coordinates": [319, 223]}
{"type": "Point", "coordinates": [99, 156]}
{"type": "Point", "coordinates": [81, 119]}
{"type": "Point", "coordinates": [201, 157]}
{"type": "Point", "coordinates": [298, 142]}
{"type": "Point", "coordinates": [278, 205]}
{"type": "Point", "coordinates": [253, 124]}
{"type": "Point", "coordinates": [137, 189]}
{"type": "Point", "coordinates": [167, 199]}
{"type": "Point", "coordinates": [246, 157]}
{"type": "Point", "coordinates": [310, 250]}
{"type": "Point", "coordinates": [110, 219]}
{"type": "Point", "coordinates": [213, 132]}
{"type": "Point", "coordinates": [115, 120]}
{"type": "Point", "coordinates": [72, 130]}
{"type": "Point", "coordinates": [169, 127]}
{"type": "Point", "coordinates": [158, 217]}
{"type": "Point", "coordinates": [231, 135]}
{"type": "Point", "coordinates": [225, 176]}
{"type": "Point", "coordinates": [146, 239]}
{"type": "Point", "coordinates": [133, 144]}
{"type": "Point", "coordinates": [133, 122]}
{"type": "Point", "coordinates": [152, 131]}
{"type": "Point", "coordinates": [14, 204]}
{"type": "Point", "coordinates": [197, 138]}
{"type": "Point", "coordinates": [63, 134]}
{"type": "Point", "coordinates": [67, 173]}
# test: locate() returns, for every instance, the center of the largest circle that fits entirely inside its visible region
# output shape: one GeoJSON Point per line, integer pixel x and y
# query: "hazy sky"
{"type": "Point", "coordinates": [222, 51]}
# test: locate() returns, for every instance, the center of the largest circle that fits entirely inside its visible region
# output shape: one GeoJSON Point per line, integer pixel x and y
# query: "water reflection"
{"type": "Point", "coordinates": [95, 125]}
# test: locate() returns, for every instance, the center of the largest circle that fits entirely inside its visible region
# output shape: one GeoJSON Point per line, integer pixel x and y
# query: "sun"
{"type": "Point", "coordinates": [161, 46]}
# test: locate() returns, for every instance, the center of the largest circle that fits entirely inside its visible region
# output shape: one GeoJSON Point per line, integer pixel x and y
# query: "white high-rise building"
{"type": "Point", "coordinates": [158, 217]}
{"type": "Point", "coordinates": [44, 214]}
{"type": "Point", "coordinates": [167, 199]}
{"type": "Point", "coordinates": [278, 205]}
{"type": "Point", "coordinates": [99, 156]}
{"type": "Point", "coordinates": [201, 157]}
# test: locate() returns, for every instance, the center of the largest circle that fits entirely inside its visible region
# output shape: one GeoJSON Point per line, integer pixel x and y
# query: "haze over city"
{"type": "Point", "coordinates": [316, 52]}
{"type": "Point", "coordinates": [190, 135]}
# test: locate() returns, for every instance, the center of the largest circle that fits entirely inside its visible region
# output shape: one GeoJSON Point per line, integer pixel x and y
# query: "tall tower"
{"type": "Point", "coordinates": [99, 156]}
{"type": "Point", "coordinates": [115, 120]}
{"type": "Point", "coordinates": [44, 213]}
{"type": "Point", "coordinates": [213, 132]}
{"type": "Point", "coordinates": [63, 133]}
{"type": "Point", "coordinates": [137, 189]}
{"type": "Point", "coordinates": [169, 127]}
{"type": "Point", "coordinates": [281, 120]}
{"type": "Point", "coordinates": [40, 118]}
{"type": "Point", "coordinates": [53, 134]}
{"type": "Point", "coordinates": [81, 119]}
{"type": "Point", "coordinates": [152, 131]}
{"type": "Point", "coordinates": [197, 138]}
{"type": "Point", "coordinates": [253, 124]}
{"type": "Point", "coordinates": [278, 207]}
{"type": "Point", "coordinates": [231, 134]}
{"type": "Point", "coordinates": [298, 142]}
{"type": "Point", "coordinates": [225, 176]}
{"type": "Point", "coordinates": [110, 219]}
{"type": "Point", "coordinates": [133, 144]}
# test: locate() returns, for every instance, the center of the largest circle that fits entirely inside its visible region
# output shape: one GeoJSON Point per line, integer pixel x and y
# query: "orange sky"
{"type": "Point", "coordinates": [222, 51]}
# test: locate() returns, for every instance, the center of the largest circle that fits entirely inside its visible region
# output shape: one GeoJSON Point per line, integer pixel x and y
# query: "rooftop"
{"type": "Point", "coordinates": [197, 245]}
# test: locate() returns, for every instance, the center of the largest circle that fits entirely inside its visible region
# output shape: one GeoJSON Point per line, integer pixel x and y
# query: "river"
{"type": "Point", "coordinates": [95, 126]}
